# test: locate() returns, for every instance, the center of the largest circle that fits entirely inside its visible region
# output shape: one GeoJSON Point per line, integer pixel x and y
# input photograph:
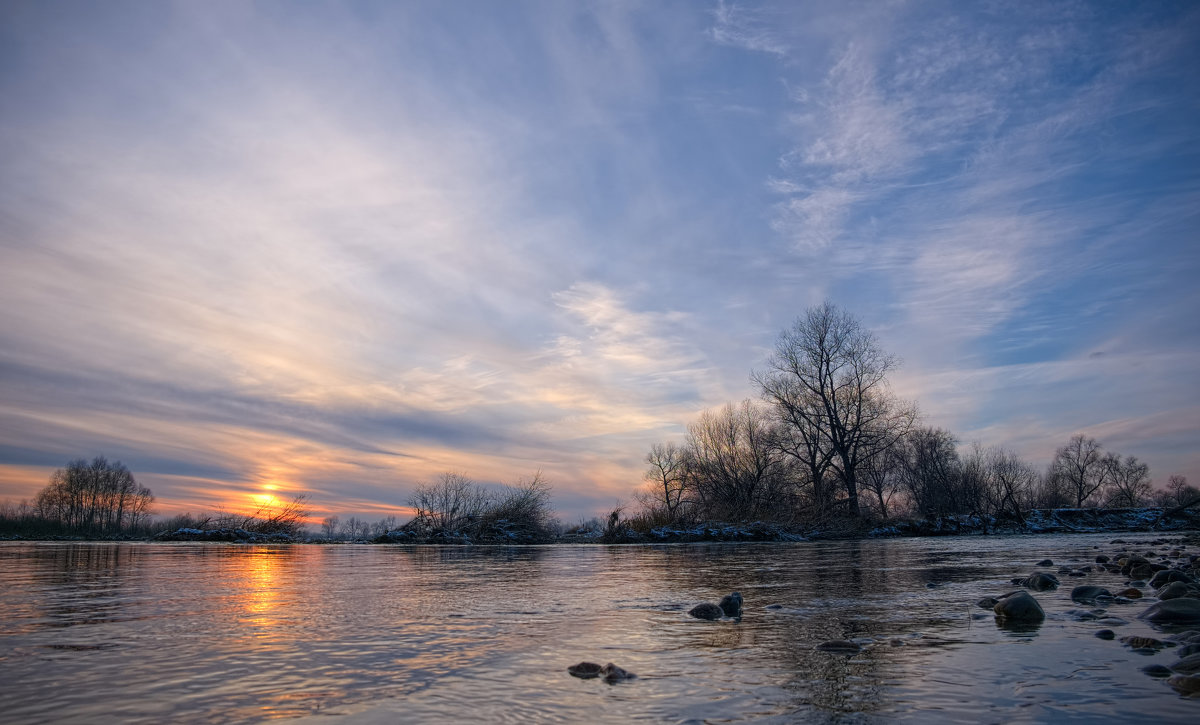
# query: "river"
{"type": "Point", "coordinates": [139, 632]}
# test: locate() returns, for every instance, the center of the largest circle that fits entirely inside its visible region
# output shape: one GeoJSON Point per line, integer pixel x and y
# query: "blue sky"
{"type": "Point", "coordinates": [338, 248]}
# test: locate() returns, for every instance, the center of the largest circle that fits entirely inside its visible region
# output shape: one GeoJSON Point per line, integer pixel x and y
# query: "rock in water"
{"type": "Point", "coordinates": [612, 673]}
{"type": "Point", "coordinates": [1177, 589]}
{"type": "Point", "coordinates": [1090, 593]}
{"type": "Point", "coordinates": [1184, 610]}
{"type": "Point", "coordinates": [731, 605]}
{"type": "Point", "coordinates": [1185, 684]}
{"type": "Point", "coordinates": [585, 670]}
{"type": "Point", "coordinates": [1105, 633]}
{"type": "Point", "coordinates": [1189, 665]}
{"type": "Point", "coordinates": [1019, 607]}
{"type": "Point", "coordinates": [1045, 562]}
{"type": "Point", "coordinates": [1040, 582]}
{"type": "Point", "coordinates": [708, 610]}
{"type": "Point", "coordinates": [1165, 577]}
{"type": "Point", "coordinates": [1134, 642]}
{"type": "Point", "coordinates": [840, 646]}
{"type": "Point", "coordinates": [986, 602]}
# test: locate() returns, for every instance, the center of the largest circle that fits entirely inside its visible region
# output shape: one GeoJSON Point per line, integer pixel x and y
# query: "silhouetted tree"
{"type": "Point", "coordinates": [94, 497]}
{"type": "Point", "coordinates": [1080, 469]}
{"type": "Point", "coordinates": [829, 375]}
{"type": "Point", "coordinates": [1128, 481]}
{"type": "Point", "coordinates": [665, 477]}
{"type": "Point", "coordinates": [930, 471]}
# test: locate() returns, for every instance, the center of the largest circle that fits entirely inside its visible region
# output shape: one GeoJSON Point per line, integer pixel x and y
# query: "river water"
{"type": "Point", "coordinates": [380, 634]}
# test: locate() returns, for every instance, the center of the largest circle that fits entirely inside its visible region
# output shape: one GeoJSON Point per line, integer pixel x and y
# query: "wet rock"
{"type": "Point", "coordinates": [731, 604]}
{"type": "Point", "coordinates": [1086, 569]}
{"type": "Point", "coordinates": [1185, 684]}
{"type": "Point", "coordinates": [774, 606]}
{"type": "Point", "coordinates": [1130, 593]}
{"type": "Point", "coordinates": [1183, 610]}
{"type": "Point", "coordinates": [1143, 643]}
{"type": "Point", "coordinates": [1045, 562]}
{"type": "Point", "coordinates": [987, 603]}
{"type": "Point", "coordinates": [1077, 573]}
{"type": "Point", "coordinates": [1157, 670]}
{"type": "Point", "coordinates": [1019, 607]}
{"type": "Point", "coordinates": [1089, 593]}
{"type": "Point", "coordinates": [1188, 649]}
{"type": "Point", "coordinates": [1175, 590]}
{"type": "Point", "coordinates": [1189, 665]}
{"type": "Point", "coordinates": [1040, 582]}
{"type": "Point", "coordinates": [612, 673]}
{"type": "Point", "coordinates": [707, 610]}
{"type": "Point", "coordinates": [839, 646]}
{"type": "Point", "coordinates": [585, 670]}
{"type": "Point", "coordinates": [1102, 559]}
{"type": "Point", "coordinates": [1105, 633]}
{"type": "Point", "coordinates": [1141, 571]}
{"type": "Point", "coordinates": [1165, 577]}
{"type": "Point", "coordinates": [1137, 583]}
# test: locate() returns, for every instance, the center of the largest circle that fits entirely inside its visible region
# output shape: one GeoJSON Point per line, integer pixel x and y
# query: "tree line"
{"type": "Point", "coordinates": [95, 497]}
{"type": "Point", "coordinates": [827, 437]}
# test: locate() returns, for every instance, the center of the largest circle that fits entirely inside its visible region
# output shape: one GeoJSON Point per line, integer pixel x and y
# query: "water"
{"type": "Point", "coordinates": [321, 634]}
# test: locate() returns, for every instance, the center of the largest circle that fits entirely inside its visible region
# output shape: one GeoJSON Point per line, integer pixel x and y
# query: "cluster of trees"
{"type": "Point", "coordinates": [96, 497]}
{"type": "Point", "coordinates": [828, 436]}
{"type": "Point", "coordinates": [454, 505]}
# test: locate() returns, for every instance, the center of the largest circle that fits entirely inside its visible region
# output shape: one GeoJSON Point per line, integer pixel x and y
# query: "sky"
{"type": "Point", "coordinates": [336, 249]}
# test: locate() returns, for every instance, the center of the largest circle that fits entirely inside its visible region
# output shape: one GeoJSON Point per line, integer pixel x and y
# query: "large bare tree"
{"type": "Point", "coordinates": [828, 377]}
{"type": "Point", "coordinates": [1079, 468]}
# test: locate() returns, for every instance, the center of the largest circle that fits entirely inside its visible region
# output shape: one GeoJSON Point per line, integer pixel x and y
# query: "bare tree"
{"type": "Point", "coordinates": [828, 373]}
{"type": "Point", "coordinates": [329, 526]}
{"type": "Point", "coordinates": [666, 475]}
{"type": "Point", "coordinates": [881, 477]}
{"type": "Point", "coordinates": [449, 502]}
{"type": "Point", "coordinates": [930, 471]}
{"type": "Point", "coordinates": [1080, 469]}
{"type": "Point", "coordinates": [1128, 481]}
{"type": "Point", "coordinates": [734, 468]}
{"type": "Point", "coordinates": [1179, 492]}
{"type": "Point", "coordinates": [94, 496]}
{"type": "Point", "coordinates": [1010, 482]}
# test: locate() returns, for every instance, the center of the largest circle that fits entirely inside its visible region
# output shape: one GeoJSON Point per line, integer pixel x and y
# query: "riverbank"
{"type": "Point", "coordinates": [1041, 521]}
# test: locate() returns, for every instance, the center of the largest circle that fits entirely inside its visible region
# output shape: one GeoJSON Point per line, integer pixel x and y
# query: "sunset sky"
{"type": "Point", "coordinates": [338, 248]}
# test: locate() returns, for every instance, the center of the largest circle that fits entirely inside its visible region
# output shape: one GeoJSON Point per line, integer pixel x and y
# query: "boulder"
{"type": "Point", "coordinates": [1143, 642]}
{"type": "Point", "coordinates": [731, 605]}
{"type": "Point", "coordinates": [1175, 590]}
{"type": "Point", "coordinates": [1130, 593]}
{"type": "Point", "coordinates": [1040, 581]}
{"type": "Point", "coordinates": [1019, 607]}
{"type": "Point", "coordinates": [1157, 670]}
{"type": "Point", "coordinates": [986, 602]}
{"type": "Point", "coordinates": [1101, 559]}
{"type": "Point", "coordinates": [1089, 593]}
{"type": "Point", "coordinates": [612, 673]}
{"type": "Point", "coordinates": [585, 670]}
{"type": "Point", "coordinates": [1185, 684]}
{"type": "Point", "coordinates": [1165, 577]}
{"type": "Point", "coordinates": [707, 610]}
{"type": "Point", "coordinates": [1045, 562]}
{"type": "Point", "coordinates": [1105, 633]}
{"type": "Point", "coordinates": [1184, 610]}
{"type": "Point", "coordinates": [1189, 665]}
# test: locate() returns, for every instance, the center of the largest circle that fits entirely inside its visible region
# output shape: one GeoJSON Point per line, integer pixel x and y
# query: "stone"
{"type": "Point", "coordinates": [1102, 559]}
{"type": "Point", "coordinates": [1175, 590]}
{"type": "Point", "coordinates": [1185, 684]}
{"type": "Point", "coordinates": [1141, 571]}
{"type": "Point", "coordinates": [1019, 607]}
{"type": "Point", "coordinates": [1089, 593]}
{"type": "Point", "coordinates": [1184, 610]}
{"type": "Point", "coordinates": [1040, 582]}
{"type": "Point", "coordinates": [774, 606]}
{"type": "Point", "coordinates": [1165, 577]}
{"type": "Point", "coordinates": [585, 670]}
{"type": "Point", "coordinates": [1188, 649]}
{"type": "Point", "coordinates": [1134, 642]}
{"type": "Point", "coordinates": [1105, 633]}
{"type": "Point", "coordinates": [1045, 562]}
{"type": "Point", "coordinates": [839, 646]}
{"type": "Point", "coordinates": [1189, 665]}
{"type": "Point", "coordinates": [731, 605]}
{"type": "Point", "coordinates": [612, 673]}
{"type": "Point", "coordinates": [708, 611]}
{"type": "Point", "coordinates": [1157, 670]}
{"type": "Point", "coordinates": [1130, 593]}
{"type": "Point", "coordinates": [987, 603]}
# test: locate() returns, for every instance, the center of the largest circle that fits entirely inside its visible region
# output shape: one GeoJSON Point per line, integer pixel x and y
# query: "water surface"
{"type": "Point", "coordinates": [227, 633]}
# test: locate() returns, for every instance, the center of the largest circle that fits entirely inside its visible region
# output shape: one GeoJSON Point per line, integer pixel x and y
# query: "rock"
{"type": "Point", "coordinates": [1105, 633]}
{"type": "Point", "coordinates": [585, 670]}
{"type": "Point", "coordinates": [1040, 581]}
{"type": "Point", "coordinates": [987, 603]}
{"type": "Point", "coordinates": [1130, 593]}
{"type": "Point", "coordinates": [1045, 562]}
{"type": "Point", "coordinates": [774, 606]}
{"type": "Point", "coordinates": [1157, 670]}
{"type": "Point", "coordinates": [1141, 571]}
{"type": "Point", "coordinates": [1185, 684]}
{"type": "Point", "coordinates": [1090, 593]}
{"type": "Point", "coordinates": [840, 646]}
{"type": "Point", "coordinates": [1183, 610]}
{"type": "Point", "coordinates": [612, 673]}
{"type": "Point", "coordinates": [1019, 607]}
{"type": "Point", "coordinates": [1175, 590]}
{"type": "Point", "coordinates": [1163, 578]}
{"type": "Point", "coordinates": [1189, 665]}
{"type": "Point", "coordinates": [731, 605]}
{"type": "Point", "coordinates": [1188, 649]}
{"type": "Point", "coordinates": [708, 611]}
{"type": "Point", "coordinates": [1102, 559]}
{"type": "Point", "coordinates": [1143, 642]}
